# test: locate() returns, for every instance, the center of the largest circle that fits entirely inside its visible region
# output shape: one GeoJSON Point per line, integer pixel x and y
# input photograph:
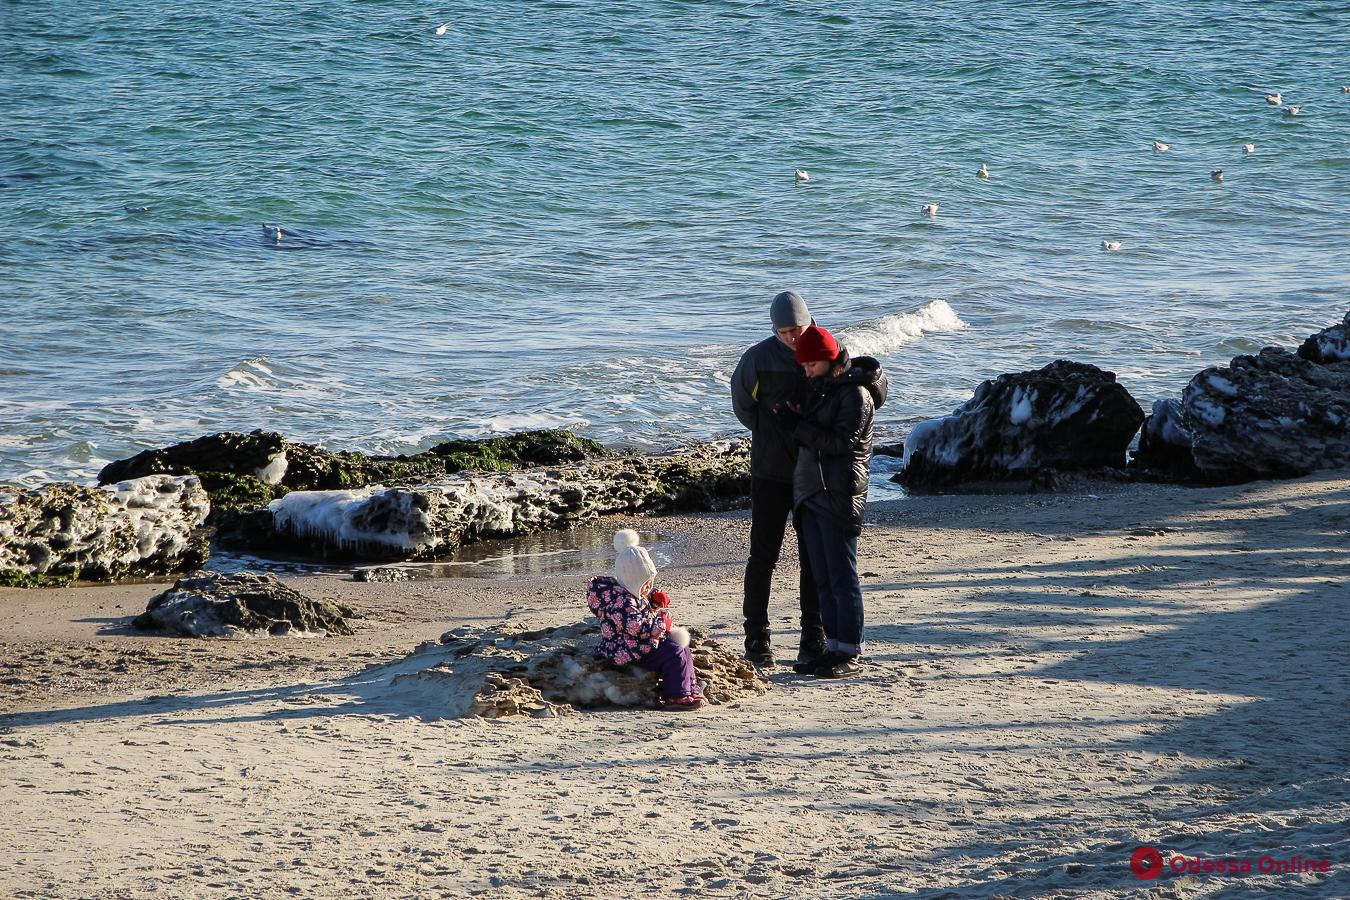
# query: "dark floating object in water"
{"type": "Point", "coordinates": [1217, 175]}
{"type": "Point", "coordinates": [136, 209]}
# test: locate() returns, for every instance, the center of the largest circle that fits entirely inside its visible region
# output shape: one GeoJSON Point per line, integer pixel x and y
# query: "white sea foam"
{"type": "Point", "coordinates": [507, 424]}
{"type": "Point", "coordinates": [887, 334]}
{"type": "Point", "coordinates": [251, 374]}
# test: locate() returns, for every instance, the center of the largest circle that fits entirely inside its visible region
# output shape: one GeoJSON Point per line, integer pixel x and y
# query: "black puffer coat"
{"type": "Point", "coordinates": [767, 377]}
{"type": "Point", "coordinates": [835, 435]}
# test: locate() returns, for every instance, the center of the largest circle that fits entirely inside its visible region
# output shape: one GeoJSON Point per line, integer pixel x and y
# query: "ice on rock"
{"type": "Point", "coordinates": [1330, 345]}
{"type": "Point", "coordinates": [433, 519]}
{"type": "Point", "coordinates": [922, 436]}
{"type": "Point", "coordinates": [354, 520]}
{"type": "Point", "coordinates": [1021, 408]}
{"type": "Point", "coordinates": [1223, 386]}
{"type": "Point", "coordinates": [136, 527]}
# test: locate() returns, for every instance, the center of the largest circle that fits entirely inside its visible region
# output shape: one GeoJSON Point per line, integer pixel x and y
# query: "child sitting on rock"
{"type": "Point", "coordinates": [635, 627]}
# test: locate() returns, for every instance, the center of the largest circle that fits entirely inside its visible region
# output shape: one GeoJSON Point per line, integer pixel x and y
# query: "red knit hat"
{"type": "Point", "coordinates": [816, 345]}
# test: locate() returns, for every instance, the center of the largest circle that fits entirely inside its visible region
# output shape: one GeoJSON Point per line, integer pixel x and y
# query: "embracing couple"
{"type": "Point", "coordinates": [809, 408]}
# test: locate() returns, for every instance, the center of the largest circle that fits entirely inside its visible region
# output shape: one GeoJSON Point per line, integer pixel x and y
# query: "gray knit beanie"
{"type": "Point", "coordinates": [788, 310]}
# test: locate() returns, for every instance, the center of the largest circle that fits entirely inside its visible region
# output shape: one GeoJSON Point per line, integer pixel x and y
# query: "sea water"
{"type": "Point", "coordinates": [575, 214]}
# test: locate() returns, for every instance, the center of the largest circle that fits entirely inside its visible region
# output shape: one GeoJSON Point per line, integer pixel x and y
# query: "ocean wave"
{"type": "Point", "coordinates": [887, 334]}
{"type": "Point", "coordinates": [254, 374]}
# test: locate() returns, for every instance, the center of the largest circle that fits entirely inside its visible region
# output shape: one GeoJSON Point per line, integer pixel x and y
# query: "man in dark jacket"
{"type": "Point", "coordinates": [768, 376]}
{"type": "Point", "coordinates": [834, 429]}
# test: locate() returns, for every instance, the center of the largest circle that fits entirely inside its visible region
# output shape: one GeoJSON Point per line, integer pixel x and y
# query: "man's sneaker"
{"type": "Point", "coordinates": [811, 649]}
{"type": "Point", "coordinates": [837, 665]}
{"type": "Point", "coordinates": [809, 666]}
{"type": "Point", "coordinates": [758, 651]}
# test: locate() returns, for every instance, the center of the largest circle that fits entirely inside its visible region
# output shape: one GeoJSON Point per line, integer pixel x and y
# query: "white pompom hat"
{"type": "Point", "coordinates": [633, 566]}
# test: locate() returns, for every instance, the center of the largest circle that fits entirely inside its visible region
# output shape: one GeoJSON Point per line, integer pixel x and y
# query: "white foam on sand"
{"type": "Point", "coordinates": [887, 334]}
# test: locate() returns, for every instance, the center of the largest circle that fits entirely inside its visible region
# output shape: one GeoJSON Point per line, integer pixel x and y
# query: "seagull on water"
{"type": "Point", "coordinates": [1275, 99]}
{"type": "Point", "coordinates": [1292, 110]}
{"type": "Point", "coordinates": [984, 171]}
{"type": "Point", "coordinates": [1161, 147]}
{"type": "Point", "coordinates": [274, 232]}
{"type": "Point", "coordinates": [1345, 89]}
{"type": "Point", "coordinates": [930, 209]}
{"type": "Point", "coordinates": [1217, 174]}
{"type": "Point", "coordinates": [1110, 246]}
{"type": "Point", "coordinates": [801, 175]}
{"type": "Point", "coordinates": [441, 30]}
{"type": "Point", "coordinates": [1249, 149]}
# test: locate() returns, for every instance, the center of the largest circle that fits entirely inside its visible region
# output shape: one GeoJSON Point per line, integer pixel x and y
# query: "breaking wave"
{"type": "Point", "coordinates": [887, 334]}
{"type": "Point", "coordinates": [254, 374]}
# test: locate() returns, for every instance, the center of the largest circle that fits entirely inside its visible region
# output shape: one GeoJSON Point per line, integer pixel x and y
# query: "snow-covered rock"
{"type": "Point", "coordinates": [1165, 442]}
{"type": "Point", "coordinates": [1065, 416]}
{"type": "Point", "coordinates": [1328, 345]}
{"type": "Point", "coordinates": [212, 604]}
{"type": "Point", "coordinates": [246, 471]}
{"type": "Point", "coordinates": [145, 526]}
{"type": "Point", "coordinates": [497, 672]}
{"type": "Point", "coordinates": [1272, 415]}
{"type": "Point", "coordinates": [431, 520]}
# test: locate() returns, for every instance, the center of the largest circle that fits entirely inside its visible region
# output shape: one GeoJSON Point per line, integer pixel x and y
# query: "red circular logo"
{"type": "Point", "coordinates": [1146, 863]}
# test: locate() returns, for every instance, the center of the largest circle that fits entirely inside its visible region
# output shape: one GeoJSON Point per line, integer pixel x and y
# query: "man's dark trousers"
{"type": "Point", "coordinates": [770, 507]}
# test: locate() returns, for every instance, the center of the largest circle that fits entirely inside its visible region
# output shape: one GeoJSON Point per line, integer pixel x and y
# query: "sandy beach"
{"type": "Point", "coordinates": [1054, 680]}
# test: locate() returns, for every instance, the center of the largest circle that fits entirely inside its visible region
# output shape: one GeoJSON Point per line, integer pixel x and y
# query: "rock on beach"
{"type": "Point", "coordinates": [1066, 416]}
{"type": "Point", "coordinates": [140, 527]}
{"type": "Point", "coordinates": [1275, 414]}
{"type": "Point", "coordinates": [211, 604]}
{"type": "Point", "coordinates": [249, 470]}
{"type": "Point", "coordinates": [431, 520]}
{"type": "Point", "coordinates": [497, 672]}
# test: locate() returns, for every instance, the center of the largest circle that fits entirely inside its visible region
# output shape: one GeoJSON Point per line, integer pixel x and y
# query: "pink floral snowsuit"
{"type": "Point", "coordinates": [634, 631]}
{"type": "Point", "coordinates": [629, 628]}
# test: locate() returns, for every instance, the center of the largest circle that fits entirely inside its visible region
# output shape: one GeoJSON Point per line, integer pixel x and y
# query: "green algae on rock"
{"type": "Point", "coordinates": [549, 447]}
{"type": "Point", "coordinates": [247, 471]}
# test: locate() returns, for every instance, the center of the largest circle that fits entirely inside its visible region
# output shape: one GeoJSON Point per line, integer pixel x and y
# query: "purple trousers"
{"type": "Point", "coordinates": [675, 665]}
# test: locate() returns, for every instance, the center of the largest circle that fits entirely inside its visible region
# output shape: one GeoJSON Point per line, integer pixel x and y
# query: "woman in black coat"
{"type": "Point", "coordinates": [833, 426]}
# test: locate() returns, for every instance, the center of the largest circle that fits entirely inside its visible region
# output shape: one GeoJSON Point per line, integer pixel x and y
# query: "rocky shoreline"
{"type": "Point", "coordinates": [162, 511]}
{"type": "Point", "coordinates": [1276, 414]}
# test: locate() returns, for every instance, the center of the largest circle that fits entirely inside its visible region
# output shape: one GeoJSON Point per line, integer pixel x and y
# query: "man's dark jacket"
{"type": "Point", "coordinates": [768, 376]}
{"type": "Point", "coordinates": [835, 434]}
